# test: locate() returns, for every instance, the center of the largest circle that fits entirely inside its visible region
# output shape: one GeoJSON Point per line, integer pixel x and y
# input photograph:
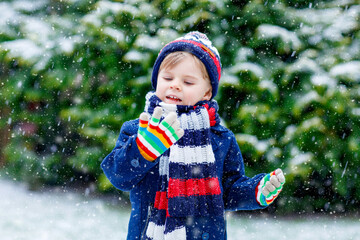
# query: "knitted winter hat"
{"type": "Point", "coordinates": [199, 45]}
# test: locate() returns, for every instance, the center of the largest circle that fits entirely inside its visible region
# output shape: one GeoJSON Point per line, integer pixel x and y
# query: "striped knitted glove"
{"type": "Point", "coordinates": [269, 187]}
{"type": "Point", "coordinates": [156, 137]}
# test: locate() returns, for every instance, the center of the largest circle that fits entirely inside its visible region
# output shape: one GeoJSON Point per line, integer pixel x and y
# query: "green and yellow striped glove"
{"type": "Point", "coordinates": [156, 136]}
{"type": "Point", "coordinates": [269, 187]}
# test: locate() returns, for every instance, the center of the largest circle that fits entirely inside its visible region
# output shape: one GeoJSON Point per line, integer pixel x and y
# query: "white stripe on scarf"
{"type": "Point", "coordinates": [191, 155]}
{"type": "Point", "coordinates": [156, 232]}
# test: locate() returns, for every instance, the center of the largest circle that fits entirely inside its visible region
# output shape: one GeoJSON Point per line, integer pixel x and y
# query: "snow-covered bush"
{"type": "Point", "coordinates": [73, 71]}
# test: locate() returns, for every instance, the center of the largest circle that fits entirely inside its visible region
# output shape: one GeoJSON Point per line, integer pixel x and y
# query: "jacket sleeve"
{"type": "Point", "coordinates": [125, 166]}
{"type": "Point", "coordinates": [239, 190]}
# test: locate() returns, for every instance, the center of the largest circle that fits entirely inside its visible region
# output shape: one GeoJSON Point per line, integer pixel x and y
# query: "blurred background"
{"type": "Point", "coordinates": [73, 71]}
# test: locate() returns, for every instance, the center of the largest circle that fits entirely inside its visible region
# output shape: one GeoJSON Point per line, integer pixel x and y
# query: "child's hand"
{"type": "Point", "coordinates": [156, 137]}
{"type": "Point", "coordinates": [270, 187]}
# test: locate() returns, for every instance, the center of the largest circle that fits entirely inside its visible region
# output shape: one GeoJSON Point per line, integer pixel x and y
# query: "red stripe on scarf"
{"type": "Point", "coordinates": [161, 201]}
{"type": "Point", "coordinates": [193, 187]}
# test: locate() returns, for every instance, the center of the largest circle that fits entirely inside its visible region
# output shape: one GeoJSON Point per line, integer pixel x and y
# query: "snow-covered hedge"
{"type": "Point", "coordinates": [73, 71]}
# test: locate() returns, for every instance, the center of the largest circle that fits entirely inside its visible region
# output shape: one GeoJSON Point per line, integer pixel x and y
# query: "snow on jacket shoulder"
{"type": "Point", "coordinates": [127, 170]}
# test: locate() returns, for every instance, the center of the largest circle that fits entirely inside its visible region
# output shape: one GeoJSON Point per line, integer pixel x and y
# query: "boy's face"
{"type": "Point", "coordinates": [183, 83]}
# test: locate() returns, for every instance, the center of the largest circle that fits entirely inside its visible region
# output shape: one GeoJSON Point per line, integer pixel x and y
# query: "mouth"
{"type": "Point", "coordinates": [173, 99]}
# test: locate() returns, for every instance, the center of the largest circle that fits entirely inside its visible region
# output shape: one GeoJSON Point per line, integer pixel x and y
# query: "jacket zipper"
{"type": "Point", "coordinates": [143, 235]}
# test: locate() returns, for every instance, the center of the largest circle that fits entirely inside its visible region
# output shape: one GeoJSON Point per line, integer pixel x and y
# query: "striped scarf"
{"type": "Point", "coordinates": [188, 184]}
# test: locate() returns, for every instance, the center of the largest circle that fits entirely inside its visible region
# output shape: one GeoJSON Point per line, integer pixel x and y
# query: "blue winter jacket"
{"type": "Point", "coordinates": [127, 170]}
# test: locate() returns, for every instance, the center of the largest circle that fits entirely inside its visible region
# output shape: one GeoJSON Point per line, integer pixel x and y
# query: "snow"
{"type": "Point", "coordinates": [256, 69]}
{"type": "Point", "coordinates": [8, 16]}
{"type": "Point", "coordinates": [269, 85]}
{"type": "Point", "coordinates": [24, 49]}
{"type": "Point", "coordinates": [37, 35]}
{"type": "Point", "coordinates": [67, 45]}
{"type": "Point", "coordinates": [7, 13]}
{"type": "Point", "coordinates": [134, 56]}
{"type": "Point", "coordinates": [349, 71]}
{"type": "Point", "coordinates": [244, 53]}
{"type": "Point", "coordinates": [312, 123]}
{"type": "Point", "coordinates": [304, 101]}
{"type": "Point", "coordinates": [267, 31]}
{"type": "Point", "coordinates": [115, 34]}
{"type": "Point", "coordinates": [58, 214]}
{"type": "Point", "coordinates": [290, 132]}
{"type": "Point", "coordinates": [92, 19]}
{"type": "Point", "coordinates": [273, 155]}
{"type": "Point", "coordinates": [356, 112]}
{"type": "Point", "coordinates": [117, 8]}
{"type": "Point", "coordinates": [166, 35]}
{"type": "Point", "coordinates": [105, 8]}
{"type": "Point", "coordinates": [323, 80]}
{"type": "Point", "coordinates": [301, 158]}
{"type": "Point", "coordinates": [228, 78]}
{"type": "Point", "coordinates": [293, 228]}
{"type": "Point", "coordinates": [29, 6]}
{"type": "Point", "coordinates": [329, 24]}
{"type": "Point", "coordinates": [38, 31]}
{"type": "Point", "coordinates": [147, 42]}
{"type": "Point", "coordinates": [260, 145]}
{"type": "Point", "coordinates": [304, 64]}
{"type": "Point", "coordinates": [345, 23]}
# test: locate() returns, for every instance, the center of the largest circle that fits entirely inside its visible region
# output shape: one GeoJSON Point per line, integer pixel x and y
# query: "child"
{"type": "Point", "coordinates": [182, 168]}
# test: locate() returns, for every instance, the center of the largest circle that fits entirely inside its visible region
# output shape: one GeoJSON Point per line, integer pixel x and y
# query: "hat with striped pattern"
{"type": "Point", "coordinates": [199, 45]}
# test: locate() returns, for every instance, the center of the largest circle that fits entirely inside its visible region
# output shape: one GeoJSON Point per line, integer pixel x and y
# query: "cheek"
{"type": "Point", "coordinates": [160, 91]}
{"type": "Point", "coordinates": [158, 85]}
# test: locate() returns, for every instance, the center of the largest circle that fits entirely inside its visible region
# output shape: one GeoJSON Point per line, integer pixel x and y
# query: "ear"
{"type": "Point", "coordinates": [207, 95]}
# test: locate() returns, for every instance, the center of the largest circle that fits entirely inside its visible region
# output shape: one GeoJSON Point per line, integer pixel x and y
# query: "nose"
{"type": "Point", "coordinates": [175, 84]}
